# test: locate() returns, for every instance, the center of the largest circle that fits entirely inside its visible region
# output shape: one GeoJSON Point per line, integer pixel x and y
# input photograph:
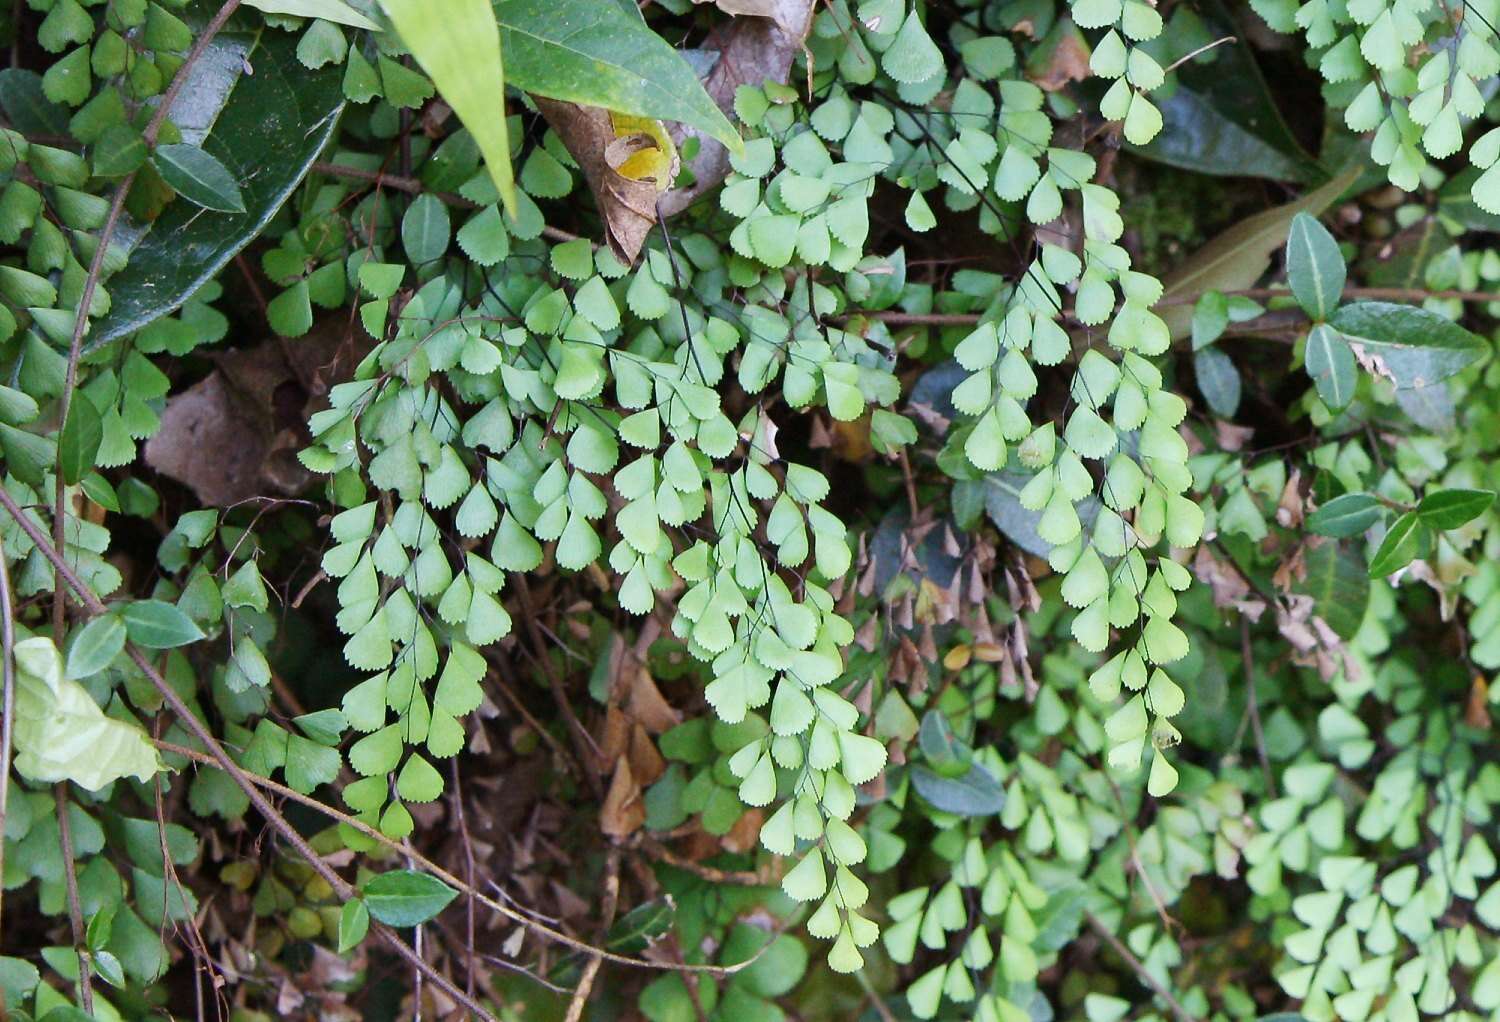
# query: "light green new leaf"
{"type": "Point", "coordinates": [354, 923]}
{"type": "Point", "coordinates": [156, 624]}
{"type": "Point", "coordinates": [328, 10]}
{"type": "Point", "coordinates": [1406, 540]}
{"type": "Point", "coordinates": [599, 54]}
{"type": "Point", "coordinates": [61, 734]}
{"type": "Point", "coordinates": [460, 51]}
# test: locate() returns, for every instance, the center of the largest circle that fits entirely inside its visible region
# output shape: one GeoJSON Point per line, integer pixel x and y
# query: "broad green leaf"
{"type": "Point", "coordinates": [973, 793]}
{"type": "Point", "coordinates": [1314, 267]}
{"type": "Point", "coordinates": [1405, 541]}
{"type": "Point", "coordinates": [459, 48]}
{"type": "Point", "coordinates": [272, 126]}
{"type": "Point", "coordinates": [1449, 509]}
{"type": "Point", "coordinates": [1347, 515]}
{"type": "Point", "coordinates": [600, 54]}
{"type": "Point", "coordinates": [329, 10]}
{"type": "Point", "coordinates": [61, 734]}
{"type": "Point", "coordinates": [1410, 346]}
{"type": "Point", "coordinates": [157, 624]}
{"type": "Point", "coordinates": [406, 897]}
{"type": "Point", "coordinates": [1235, 259]}
{"type": "Point", "coordinates": [1339, 588]}
{"type": "Point", "coordinates": [199, 177]}
{"type": "Point", "coordinates": [95, 646]}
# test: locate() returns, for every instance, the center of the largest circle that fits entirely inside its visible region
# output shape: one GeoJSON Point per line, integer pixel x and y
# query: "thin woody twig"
{"type": "Point", "coordinates": [8, 667]}
{"type": "Point", "coordinates": [75, 911]}
{"type": "Point", "coordinates": [1144, 974]}
{"type": "Point", "coordinates": [591, 970]}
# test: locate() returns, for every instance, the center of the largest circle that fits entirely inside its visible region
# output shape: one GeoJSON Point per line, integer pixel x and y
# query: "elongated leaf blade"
{"type": "Point", "coordinates": [199, 177]}
{"type": "Point", "coordinates": [328, 10]}
{"type": "Point", "coordinates": [267, 134]}
{"type": "Point", "coordinates": [1330, 363]}
{"type": "Point", "coordinates": [598, 54]}
{"type": "Point", "coordinates": [1407, 539]}
{"type": "Point", "coordinates": [459, 48]}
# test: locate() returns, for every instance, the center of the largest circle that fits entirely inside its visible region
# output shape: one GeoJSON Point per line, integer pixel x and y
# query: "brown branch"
{"type": "Point", "coordinates": [1183, 1015]}
{"type": "Point", "coordinates": [75, 911]}
{"type": "Point", "coordinates": [7, 722]}
{"type": "Point", "coordinates": [591, 970]}
{"type": "Point", "coordinates": [222, 760]}
{"type": "Point", "coordinates": [1253, 706]}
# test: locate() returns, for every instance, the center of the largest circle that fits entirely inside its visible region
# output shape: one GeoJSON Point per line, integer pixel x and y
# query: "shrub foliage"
{"type": "Point", "coordinates": [898, 508]}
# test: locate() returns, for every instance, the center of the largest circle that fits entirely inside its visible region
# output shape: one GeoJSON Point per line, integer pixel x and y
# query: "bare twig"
{"type": "Point", "coordinates": [498, 907]}
{"type": "Point", "coordinates": [591, 970]}
{"type": "Point", "coordinates": [1136, 966]}
{"type": "Point", "coordinates": [7, 723]}
{"type": "Point", "coordinates": [1196, 53]}
{"type": "Point", "coordinates": [1253, 704]}
{"type": "Point", "coordinates": [75, 911]}
{"type": "Point", "coordinates": [468, 846]}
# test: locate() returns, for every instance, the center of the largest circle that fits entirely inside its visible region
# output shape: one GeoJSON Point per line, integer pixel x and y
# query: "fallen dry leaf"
{"type": "Point", "coordinates": [623, 812]}
{"type": "Point", "coordinates": [750, 51]}
{"type": "Point", "coordinates": [628, 207]}
{"type": "Point", "coordinates": [250, 412]}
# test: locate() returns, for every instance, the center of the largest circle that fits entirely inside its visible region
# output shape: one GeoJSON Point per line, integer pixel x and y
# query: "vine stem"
{"type": "Point", "coordinates": [7, 723]}
{"type": "Point", "coordinates": [75, 910]}
{"type": "Point", "coordinates": [222, 760]}
{"type": "Point", "coordinates": [91, 284]}
{"type": "Point", "coordinates": [1139, 968]}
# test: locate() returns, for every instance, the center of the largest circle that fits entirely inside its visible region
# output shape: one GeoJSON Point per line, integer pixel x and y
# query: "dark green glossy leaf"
{"type": "Point", "coordinates": [81, 436]}
{"type": "Point", "coordinates": [1221, 119]}
{"type": "Point", "coordinates": [272, 127]}
{"type": "Point", "coordinates": [598, 54]}
{"type": "Point", "coordinates": [1218, 380]}
{"type": "Point", "coordinates": [1448, 509]}
{"type": "Point", "coordinates": [196, 175]}
{"type": "Point", "coordinates": [405, 897]}
{"type": "Point", "coordinates": [1407, 539]}
{"type": "Point", "coordinates": [1337, 583]}
{"type": "Point", "coordinates": [974, 793]}
{"type": "Point", "coordinates": [1346, 515]}
{"type": "Point", "coordinates": [1414, 347]}
{"type": "Point", "coordinates": [27, 109]}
